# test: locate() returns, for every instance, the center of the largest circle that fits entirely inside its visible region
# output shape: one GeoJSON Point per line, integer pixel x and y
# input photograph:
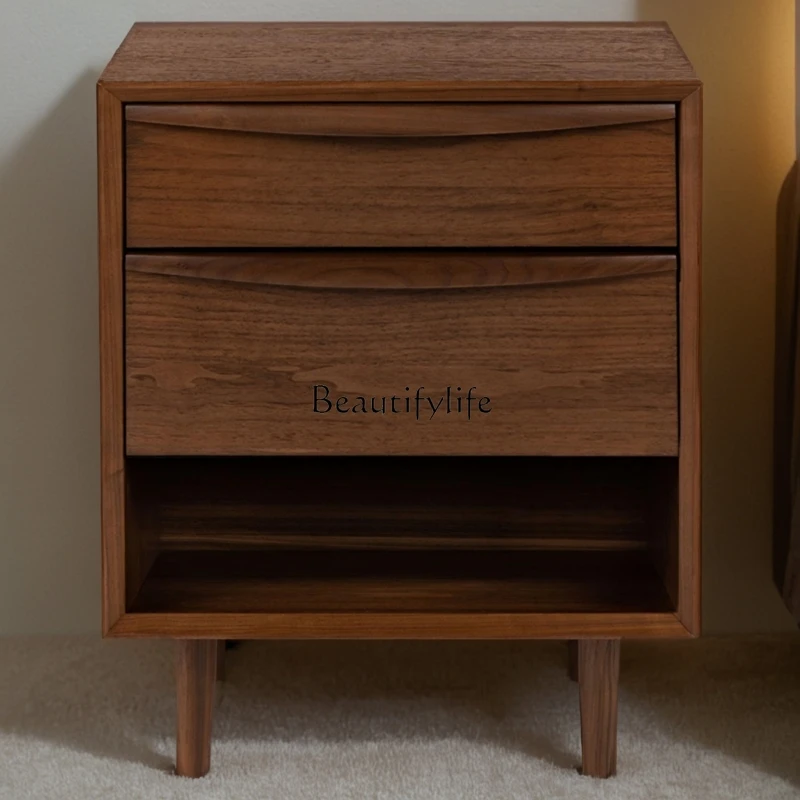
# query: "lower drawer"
{"type": "Point", "coordinates": [401, 353]}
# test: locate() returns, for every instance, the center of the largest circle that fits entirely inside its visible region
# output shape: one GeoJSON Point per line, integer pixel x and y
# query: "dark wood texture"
{"type": "Point", "coordinates": [312, 582]}
{"type": "Point", "coordinates": [571, 368]}
{"type": "Point", "coordinates": [195, 673]}
{"type": "Point", "coordinates": [401, 625]}
{"type": "Point", "coordinates": [399, 61]}
{"type": "Point", "coordinates": [573, 667]}
{"type": "Point", "coordinates": [220, 670]}
{"type": "Point", "coordinates": [663, 524]}
{"type": "Point", "coordinates": [401, 547]}
{"type": "Point", "coordinates": [597, 185]}
{"type": "Point", "coordinates": [423, 504]}
{"type": "Point", "coordinates": [689, 476]}
{"type": "Point", "coordinates": [112, 358]}
{"type": "Point", "coordinates": [141, 533]}
{"type": "Point", "coordinates": [598, 670]}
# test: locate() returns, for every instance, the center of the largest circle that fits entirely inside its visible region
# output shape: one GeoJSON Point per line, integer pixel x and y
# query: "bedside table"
{"type": "Point", "coordinates": [400, 339]}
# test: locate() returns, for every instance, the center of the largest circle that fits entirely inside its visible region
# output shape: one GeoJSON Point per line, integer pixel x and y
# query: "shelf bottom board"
{"type": "Point", "coordinates": [298, 582]}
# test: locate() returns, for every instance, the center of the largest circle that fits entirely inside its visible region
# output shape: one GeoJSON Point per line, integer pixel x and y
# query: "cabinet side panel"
{"type": "Point", "coordinates": [689, 476]}
{"type": "Point", "coordinates": [112, 454]}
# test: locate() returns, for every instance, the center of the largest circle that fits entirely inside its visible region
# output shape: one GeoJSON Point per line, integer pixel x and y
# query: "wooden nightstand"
{"type": "Point", "coordinates": [400, 339]}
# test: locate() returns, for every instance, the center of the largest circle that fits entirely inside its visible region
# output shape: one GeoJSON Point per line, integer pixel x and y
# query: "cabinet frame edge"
{"type": "Point", "coordinates": [690, 180]}
{"type": "Point", "coordinates": [111, 222]}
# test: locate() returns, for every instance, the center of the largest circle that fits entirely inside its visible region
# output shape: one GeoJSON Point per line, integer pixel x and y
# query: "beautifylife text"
{"type": "Point", "coordinates": [422, 406]}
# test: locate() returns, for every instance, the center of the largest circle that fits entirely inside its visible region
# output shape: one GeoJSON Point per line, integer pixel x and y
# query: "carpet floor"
{"type": "Point", "coordinates": [714, 718]}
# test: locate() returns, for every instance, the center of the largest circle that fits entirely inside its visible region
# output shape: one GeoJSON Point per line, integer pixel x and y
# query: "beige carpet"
{"type": "Point", "coordinates": [82, 718]}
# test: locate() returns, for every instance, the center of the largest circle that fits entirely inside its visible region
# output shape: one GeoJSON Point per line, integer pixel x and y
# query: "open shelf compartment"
{"type": "Point", "coordinates": [411, 535]}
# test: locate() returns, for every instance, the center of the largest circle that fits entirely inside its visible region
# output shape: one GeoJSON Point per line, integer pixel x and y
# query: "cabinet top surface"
{"type": "Point", "coordinates": [631, 57]}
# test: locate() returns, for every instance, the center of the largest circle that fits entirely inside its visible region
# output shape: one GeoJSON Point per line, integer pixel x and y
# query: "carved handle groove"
{"type": "Point", "coordinates": [398, 120]}
{"type": "Point", "coordinates": [398, 271]}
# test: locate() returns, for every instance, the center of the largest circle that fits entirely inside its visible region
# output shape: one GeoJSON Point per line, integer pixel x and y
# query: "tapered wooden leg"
{"type": "Point", "coordinates": [572, 655]}
{"type": "Point", "coordinates": [196, 671]}
{"type": "Point", "coordinates": [221, 660]}
{"type": "Point", "coordinates": [598, 676]}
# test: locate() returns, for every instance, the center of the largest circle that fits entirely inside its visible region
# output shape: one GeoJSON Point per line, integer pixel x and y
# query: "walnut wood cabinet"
{"type": "Point", "coordinates": [400, 339]}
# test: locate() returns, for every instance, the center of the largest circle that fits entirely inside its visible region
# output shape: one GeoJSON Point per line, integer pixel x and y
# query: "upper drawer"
{"type": "Point", "coordinates": [369, 175]}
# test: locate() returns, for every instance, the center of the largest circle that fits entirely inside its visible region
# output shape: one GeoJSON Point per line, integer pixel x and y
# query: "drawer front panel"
{"type": "Point", "coordinates": [366, 175]}
{"type": "Point", "coordinates": [303, 353]}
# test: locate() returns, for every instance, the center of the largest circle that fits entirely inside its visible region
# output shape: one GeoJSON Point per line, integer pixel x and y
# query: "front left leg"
{"type": "Point", "coordinates": [196, 673]}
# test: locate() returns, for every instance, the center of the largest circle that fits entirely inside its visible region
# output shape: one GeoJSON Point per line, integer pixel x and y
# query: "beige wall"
{"type": "Point", "coordinates": [50, 55]}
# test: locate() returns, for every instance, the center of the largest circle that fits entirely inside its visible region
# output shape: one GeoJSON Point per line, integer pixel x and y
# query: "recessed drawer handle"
{"type": "Point", "coordinates": [300, 270]}
{"type": "Point", "coordinates": [398, 120]}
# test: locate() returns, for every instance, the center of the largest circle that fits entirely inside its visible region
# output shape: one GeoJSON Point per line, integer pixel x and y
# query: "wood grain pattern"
{"type": "Point", "coordinates": [195, 673]}
{"type": "Point", "coordinates": [398, 269]}
{"type": "Point", "coordinates": [112, 358]}
{"type": "Point", "coordinates": [399, 61]}
{"type": "Point", "coordinates": [197, 187]}
{"type": "Point", "coordinates": [402, 582]}
{"type": "Point", "coordinates": [320, 532]}
{"type": "Point", "coordinates": [425, 625]}
{"type": "Point", "coordinates": [222, 368]}
{"type": "Point", "coordinates": [689, 299]}
{"type": "Point", "coordinates": [399, 120]}
{"type": "Point", "coordinates": [598, 669]}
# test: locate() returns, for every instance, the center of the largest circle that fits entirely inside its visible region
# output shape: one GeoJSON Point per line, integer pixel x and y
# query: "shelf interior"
{"type": "Point", "coordinates": [297, 534]}
{"type": "Point", "coordinates": [402, 581]}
